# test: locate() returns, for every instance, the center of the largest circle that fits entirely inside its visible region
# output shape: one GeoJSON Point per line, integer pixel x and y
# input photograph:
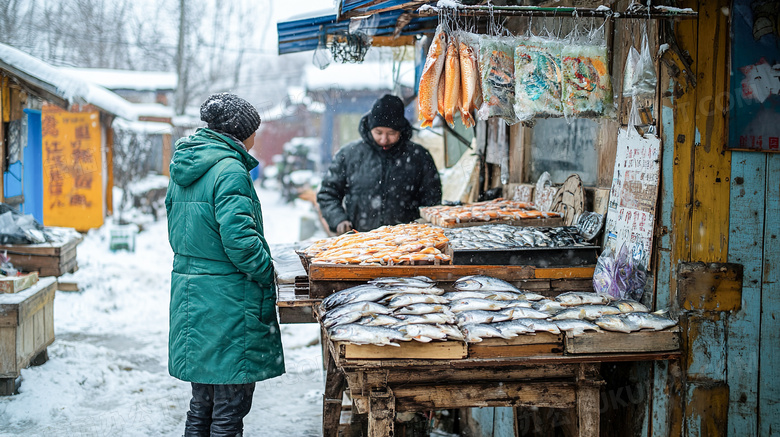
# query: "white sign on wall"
{"type": "Point", "coordinates": [632, 200]}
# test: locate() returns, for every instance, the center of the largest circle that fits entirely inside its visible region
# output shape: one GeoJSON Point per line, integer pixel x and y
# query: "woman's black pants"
{"type": "Point", "coordinates": [218, 410]}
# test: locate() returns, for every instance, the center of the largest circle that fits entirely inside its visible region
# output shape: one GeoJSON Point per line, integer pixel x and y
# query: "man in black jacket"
{"type": "Point", "coordinates": [381, 179]}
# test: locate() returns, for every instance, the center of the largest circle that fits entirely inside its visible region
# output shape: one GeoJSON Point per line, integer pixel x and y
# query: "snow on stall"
{"type": "Point", "coordinates": [107, 369]}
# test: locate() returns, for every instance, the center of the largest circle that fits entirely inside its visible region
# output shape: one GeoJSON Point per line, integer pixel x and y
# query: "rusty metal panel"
{"type": "Point", "coordinates": [709, 287]}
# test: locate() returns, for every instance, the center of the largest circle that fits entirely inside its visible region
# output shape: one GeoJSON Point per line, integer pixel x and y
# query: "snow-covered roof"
{"type": "Point", "coordinates": [126, 79]}
{"type": "Point", "coordinates": [153, 110]}
{"type": "Point", "coordinates": [144, 127]}
{"type": "Point", "coordinates": [365, 76]}
{"type": "Point", "coordinates": [295, 96]}
{"type": "Point", "coordinates": [64, 84]}
{"type": "Point", "coordinates": [311, 14]}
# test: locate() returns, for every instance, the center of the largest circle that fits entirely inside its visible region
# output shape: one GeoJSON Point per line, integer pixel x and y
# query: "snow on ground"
{"type": "Point", "coordinates": [107, 370]}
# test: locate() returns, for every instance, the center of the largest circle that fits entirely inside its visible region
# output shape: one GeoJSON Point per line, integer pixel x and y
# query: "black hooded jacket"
{"type": "Point", "coordinates": [372, 187]}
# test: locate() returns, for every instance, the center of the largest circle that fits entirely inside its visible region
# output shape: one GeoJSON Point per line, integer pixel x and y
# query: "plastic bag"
{"type": "Point", "coordinates": [497, 67]}
{"type": "Point", "coordinates": [639, 76]}
{"type": "Point", "coordinates": [587, 88]}
{"type": "Point", "coordinates": [16, 228]}
{"type": "Point", "coordinates": [538, 78]}
{"type": "Point", "coordinates": [621, 276]}
{"type": "Point", "coordinates": [589, 224]}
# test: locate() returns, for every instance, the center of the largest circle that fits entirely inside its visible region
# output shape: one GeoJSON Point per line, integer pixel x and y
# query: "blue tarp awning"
{"type": "Point", "coordinates": [303, 33]}
{"type": "Point", "coordinates": [364, 7]}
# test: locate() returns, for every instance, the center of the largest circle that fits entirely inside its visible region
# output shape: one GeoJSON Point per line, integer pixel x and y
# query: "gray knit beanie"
{"type": "Point", "coordinates": [230, 114]}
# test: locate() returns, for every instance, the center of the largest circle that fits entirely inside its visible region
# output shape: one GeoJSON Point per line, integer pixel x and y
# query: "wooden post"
{"type": "Point", "coordinates": [331, 399]}
{"type": "Point", "coordinates": [587, 404]}
{"type": "Point", "coordinates": [381, 414]}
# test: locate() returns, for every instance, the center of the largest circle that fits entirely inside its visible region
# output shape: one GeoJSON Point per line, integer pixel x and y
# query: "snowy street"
{"type": "Point", "coordinates": [107, 370]}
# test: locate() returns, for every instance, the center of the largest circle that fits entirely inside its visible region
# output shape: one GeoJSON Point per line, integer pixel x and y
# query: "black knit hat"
{"type": "Point", "coordinates": [230, 114]}
{"type": "Point", "coordinates": [388, 111]}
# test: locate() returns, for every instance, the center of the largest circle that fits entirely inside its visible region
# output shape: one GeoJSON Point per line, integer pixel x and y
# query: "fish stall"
{"type": "Point", "coordinates": [600, 239]}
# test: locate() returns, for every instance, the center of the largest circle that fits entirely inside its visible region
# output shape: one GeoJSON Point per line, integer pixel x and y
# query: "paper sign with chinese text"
{"type": "Point", "coordinates": [72, 169]}
{"type": "Point", "coordinates": [632, 200]}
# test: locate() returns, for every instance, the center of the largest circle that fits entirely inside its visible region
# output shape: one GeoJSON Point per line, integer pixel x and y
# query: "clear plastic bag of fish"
{"type": "Point", "coordinates": [639, 78]}
{"type": "Point", "coordinates": [497, 67]}
{"type": "Point", "coordinates": [621, 276]}
{"type": "Point", "coordinates": [538, 78]}
{"type": "Point", "coordinates": [587, 88]}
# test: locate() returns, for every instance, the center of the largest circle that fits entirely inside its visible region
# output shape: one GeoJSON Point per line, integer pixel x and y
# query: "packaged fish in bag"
{"type": "Point", "coordinates": [587, 88]}
{"type": "Point", "coordinates": [497, 65]}
{"type": "Point", "coordinates": [538, 78]}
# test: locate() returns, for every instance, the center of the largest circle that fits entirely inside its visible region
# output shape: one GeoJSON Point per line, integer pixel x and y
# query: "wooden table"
{"type": "Point", "coordinates": [26, 330]}
{"type": "Point", "coordinates": [382, 387]}
{"type": "Point", "coordinates": [48, 259]}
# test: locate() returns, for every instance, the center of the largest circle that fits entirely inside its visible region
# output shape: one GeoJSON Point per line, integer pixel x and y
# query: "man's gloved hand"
{"type": "Point", "coordinates": [343, 227]}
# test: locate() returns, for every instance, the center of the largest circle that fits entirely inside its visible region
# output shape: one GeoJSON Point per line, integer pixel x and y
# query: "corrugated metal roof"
{"type": "Point", "coordinates": [304, 34]}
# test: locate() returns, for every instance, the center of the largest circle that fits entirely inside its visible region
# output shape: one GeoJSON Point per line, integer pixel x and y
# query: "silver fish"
{"type": "Point", "coordinates": [524, 313]}
{"type": "Point", "coordinates": [423, 332]}
{"type": "Point", "coordinates": [540, 325]}
{"type": "Point", "coordinates": [434, 318]}
{"type": "Point", "coordinates": [480, 317]}
{"type": "Point", "coordinates": [630, 306]}
{"type": "Point", "coordinates": [481, 282]}
{"type": "Point", "coordinates": [361, 293]}
{"type": "Point", "coordinates": [474, 332]}
{"type": "Point", "coordinates": [651, 321]}
{"type": "Point", "coordinates": [423, 308]}
{"type": "Point", "coordinates": [547, 306]}
{"type": "Point", "coordinates": [378, 320]}
{"type": "Point", "coordinates": [585, 312]}
{"type": "Point", "coordinates": [618, 323]}
{"type": "Point", "coordinates": [452, 332]}
{"type": "Point", "coordinates": [512, 328]}
{"type": "Point", "coordinates": [472, 304]}
{"type": "Point", "coordinates": [415, 281]}
{"type": "Point", "coordinates": [406, 299]}
{"type": "Point", "coordinates": [361, 334]}
{"type": "Point", "coordinates": [399, 289]}
{"type": "Point", "coordinates": [532, 296]}
{"type": "Point", "coordinates": [364, 308]}
{"type": "Point", "coordinates": [582, 298]}
{"type": "Point", "coordinates": [576, 327]}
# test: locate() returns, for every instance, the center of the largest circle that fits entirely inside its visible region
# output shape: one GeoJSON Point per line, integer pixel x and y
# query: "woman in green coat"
{"type": "Point", "coordinates": [224, 335]}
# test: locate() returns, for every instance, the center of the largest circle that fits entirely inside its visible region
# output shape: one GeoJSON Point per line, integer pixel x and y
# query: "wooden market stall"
{"type": "Point", "coordinates": [712, 231]}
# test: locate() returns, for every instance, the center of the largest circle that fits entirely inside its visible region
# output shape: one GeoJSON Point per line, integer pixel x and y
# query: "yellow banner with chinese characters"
{"type": "Point", "coordinates": [72, 169]}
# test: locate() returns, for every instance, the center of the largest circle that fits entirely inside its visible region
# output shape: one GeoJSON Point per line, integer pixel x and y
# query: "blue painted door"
{"type": "Point", "coordinates": [33, 167]}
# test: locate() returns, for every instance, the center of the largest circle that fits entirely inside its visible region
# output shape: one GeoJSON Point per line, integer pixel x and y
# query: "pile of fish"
{"type": "Point", "coordinates": [513, 237]}
{"type": "Point", "coordinates": [492, 210]}
{"type": "Point", "coordinates": [388, 310]}
{"type": "Point", "coordinates": [388, 245]}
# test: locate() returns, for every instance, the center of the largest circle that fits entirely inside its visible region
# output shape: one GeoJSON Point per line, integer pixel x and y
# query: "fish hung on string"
{"type": "Point", "coordinates": [432, 90]}
{"type": "Point", "coordinates": [470, 88]}
{"type": "Point", "coordinates": [496, 61]}
{"type": "Point", "coordinates": [538, 78]}
{"type": "Point", "coordinates": [587, 88]}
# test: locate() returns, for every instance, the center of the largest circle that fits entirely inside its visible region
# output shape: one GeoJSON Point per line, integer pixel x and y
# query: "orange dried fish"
{"type": "Point", "coordinates": [427, 100]}
{"type": "Point", "coordinates": [452, 82]}
{"type": "Point", "coordinates": [469, 80]}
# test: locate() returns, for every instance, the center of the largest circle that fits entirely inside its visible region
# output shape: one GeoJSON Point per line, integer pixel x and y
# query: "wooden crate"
{"type": "Point", "coordinates": [26, 328]}
{"type": "Point", "coordinates": [48, 259]}
{"type": "Point", "coordinates": [15, 284]}
{"type": "Point", "coordinates": [435, 350]}
{"type": "Point", "coordinates": [524, 345]}
{"type": "Point", "coordinates": [325, 279]}
{"type": "Point", "coordinates": [592, 342]}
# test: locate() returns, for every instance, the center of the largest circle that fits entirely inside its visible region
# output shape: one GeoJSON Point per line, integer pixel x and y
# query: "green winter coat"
{"type": "Point", "coordinates": [223, 327]}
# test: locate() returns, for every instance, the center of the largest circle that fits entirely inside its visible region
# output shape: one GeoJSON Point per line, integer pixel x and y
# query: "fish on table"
{"type": "Point", "coordinates": [423, 332]}
{"type": "Point", "coordinates": [485, 283]}
{"type": "Point", "coordinates": [473, 303]}
{"type": "Point", "coordinates": [576, 327]}
{"type": "Point", "coordinates": [413, 281]}
{"type": "Point", "coordinates": [585, 312]}
{"type": "Point", "coordinates": [361, 293]}
{"type": "Point", "coordinates": [512, 328]}
{"type": "Point", "coordinates": [378, 320]}
{"type": "Point", "coordinates": [433, 318]}
{"type": "Point", "coordinates": [362, 334]}
{"type": "Point", "coordinates": [524, 313]}
{"type": "Point", "coordinates": [475, 332]}
{"type": "Point", "coordinates": [406, 299]}
{"type": "Point", "coordinates": [481, 317]}
{"type": "Point", "coordinates": [353, 311]}
{"type": "Point", "coordinates": [582, 298]}
{"type": "Point", "coordinates": [423, 308]}
{"type": "Point", "coordinates": [630, 306]}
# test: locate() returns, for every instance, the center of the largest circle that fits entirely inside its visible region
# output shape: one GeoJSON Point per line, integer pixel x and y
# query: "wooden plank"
{"type": "Point", "coordinates": [13, 284]}
{"type": "Point", "coordinates": [331, 399]}
{"type": "Point", "coordinates": [38, 330]}
{"type": "Point", "coordinates": [504, 421]}
{"type": "Point", "coordinates": [572, 284]}
{"type": "Point", "coordinates": [487, 394]}
{"type": "Point", "coordinates": [514, 373]}
{"type": "Point", "coordinates": [538, 338]}
{"type": "Point", "coordinates": [704, 348]}
{"type": "Point", "coordinates": [747, 200]}
{"type": "Point", "coordinates": [323, 272]}
{"type": "Point", "coordinates": [9, 316]}
{"type": "Point", "coordinates": [564, 273]}
{"type": "Point", "coordinates": [769, 420]}
{"type": "Point", "coordinates": [588, 404]}
{"type": "Point", "coordinates": [25, 338]}
{"type": "Point", "coordinates": [48, 321]}
{"type": "Point", "coordinates": [478, 421]}
{"type": "Point", "coordinates": [8, 368]}
{"type": "Point", "coordinates": [712, 163]}
{"type": "Point", "coordinates": [46, 249]}
{"type": "Point", "coordinates": [435, 350]}
{"type": "Point", "coordinates": [68, 286]}
{"type": "Point", "coordinates": [292, 315]}
{"type": "Point", "coordinates": [709, 287]}
{"type": "Point", "coordinates": [381, 414]}
{"type": "Point", "coordinates": [609, 342]}
{"type": "Point", "coordinates": [707, 409]}
{"type": "Point", "coordinates": [288, 298]}
{"type": "Point", "coordinates": [477, 350]}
